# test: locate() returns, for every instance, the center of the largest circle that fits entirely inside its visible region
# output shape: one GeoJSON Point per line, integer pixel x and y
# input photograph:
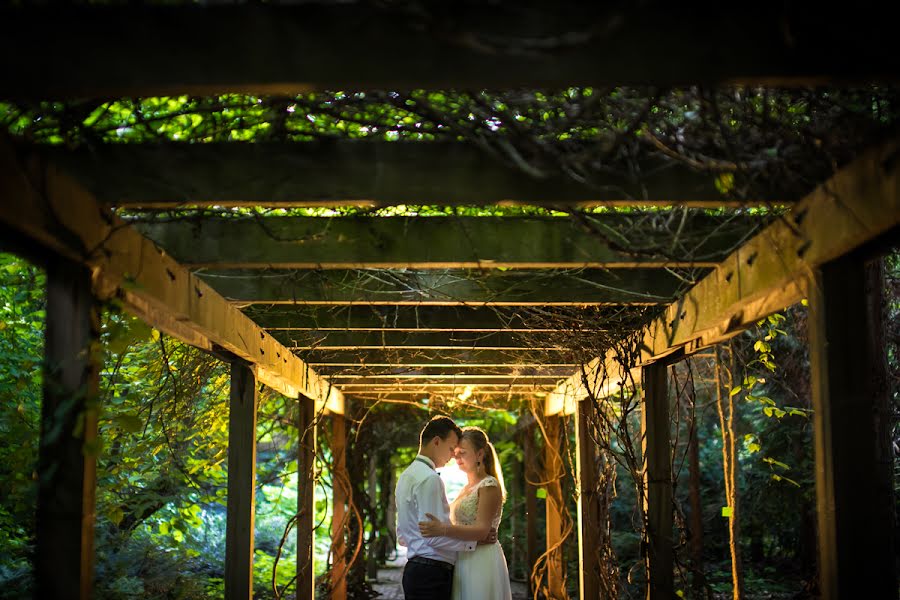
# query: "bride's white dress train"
{"type": "Point", "coordinates": [482, 574]}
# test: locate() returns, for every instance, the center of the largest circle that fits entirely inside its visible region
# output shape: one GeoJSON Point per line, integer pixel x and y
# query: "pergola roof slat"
{"type": "Point", "coordinates": [344, 172]}
{"type": "Point", "coordinates": [281, 48]}
{"type": "Point", "coordinates": [448, 242]}
{"type": "Point", "coordinates": [448, 288]}
{"type": "Point", "coordinates": [60, 215]}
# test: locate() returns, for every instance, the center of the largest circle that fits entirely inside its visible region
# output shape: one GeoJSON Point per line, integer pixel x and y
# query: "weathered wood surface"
{"type": "Point", "coordinates": [861, 203]}
{"type": "Point", "coordinates": [524, 357]}
{"type": "Point", "coordinates": [413, 371]}
{"type": "Point", "coordinates": [66, 470]}
{"type": "Point", "coordinates": [589, 526]}
{"type": "Point", "coordinates": [47, 207]}
{"type": "Point", "coordinates": [448, 288]}
{"type": "Point", "coordinates": [306, 501]}
{"type": "Point", "coordinates": [657, 461]}
{"type": "Point", "coordinates": [858, 204]}
{"type": "Point", "coordinates": [427, 318]}
{"type": "Point", "coordinates": [361, 173]}
{"type": "Point", "coordinates": [295, 49]}
{"type": "Point", "coordinates": [241, 504]}
{"type": "Point", "coordinates": [451, 242]}
{"type": "Point", "coordinates": [532, 477]}
{"type": "Point", "coordinates": [855, 506]}
{"type": "Point", "coordinates": [340, 492]}
{"type": "Point", "coordinates": [554, 471]}
{"type": "Point", "coordinates": [444, 379]}
{"type": "Point", "coordinates": [431, 340]}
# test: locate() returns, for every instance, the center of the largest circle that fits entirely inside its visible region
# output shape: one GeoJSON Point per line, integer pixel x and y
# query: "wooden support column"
{"type": "Point", "coordinates": [64, 552]}
{"type": "Point", "coordinates": [340, 493]}
{"type": "Point", "coordinates": [589, 525]}
{"type": "Point", "coordinates": [657, 482]}
{"type": "Point", "coordinates": [531, 476]}
{"type": "Point", "coordinates": [306, 487]}
{"type": "Point", "coordinates": [241, 483]}
{"type": "Point", "coordinates": [553, 473]}
{"type": "Point", "coordinates": [853, 482]}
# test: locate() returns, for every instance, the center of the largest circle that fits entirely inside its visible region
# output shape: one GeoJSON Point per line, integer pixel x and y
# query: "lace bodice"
{"type": "Point", "coordinates": [464, 510]}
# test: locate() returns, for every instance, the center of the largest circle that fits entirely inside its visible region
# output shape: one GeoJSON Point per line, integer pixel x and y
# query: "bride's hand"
{"type": "Point", "coordinates": [432, 527]}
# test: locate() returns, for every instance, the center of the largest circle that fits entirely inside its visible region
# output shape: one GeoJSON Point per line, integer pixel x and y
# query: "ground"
{"type": "Point", "coordinates": [388, 583]}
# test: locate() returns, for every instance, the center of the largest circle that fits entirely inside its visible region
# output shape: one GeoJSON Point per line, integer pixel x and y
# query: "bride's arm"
{"type": "Point", "coordinates": [489, 500]}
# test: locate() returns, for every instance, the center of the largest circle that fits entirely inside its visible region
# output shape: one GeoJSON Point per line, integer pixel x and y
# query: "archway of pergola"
{"type": "Point", "coordinates": [541, 243]}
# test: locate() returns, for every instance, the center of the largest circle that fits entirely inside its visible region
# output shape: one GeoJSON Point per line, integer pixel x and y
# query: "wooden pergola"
{"type": "Point", "coordinates": [332, 310]}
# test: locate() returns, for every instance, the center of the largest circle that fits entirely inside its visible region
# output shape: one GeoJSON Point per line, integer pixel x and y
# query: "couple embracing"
{"type": "Point", "coordinates": [452, 549]}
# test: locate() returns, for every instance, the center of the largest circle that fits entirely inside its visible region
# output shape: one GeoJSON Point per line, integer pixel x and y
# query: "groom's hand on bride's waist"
{"type": "Point", "coordinates": [490, 539]}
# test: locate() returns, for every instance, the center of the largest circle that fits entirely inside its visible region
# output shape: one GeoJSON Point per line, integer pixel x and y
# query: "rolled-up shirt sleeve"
{"type": "Point", "coordinates": [432, 499]}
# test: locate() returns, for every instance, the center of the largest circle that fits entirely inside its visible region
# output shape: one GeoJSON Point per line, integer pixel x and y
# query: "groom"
{"type": "Point", "coordinates": [428, 574]}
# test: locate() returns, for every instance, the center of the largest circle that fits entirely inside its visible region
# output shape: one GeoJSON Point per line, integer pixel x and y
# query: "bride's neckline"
{"type": "Point", "coordinates": [468, 489]}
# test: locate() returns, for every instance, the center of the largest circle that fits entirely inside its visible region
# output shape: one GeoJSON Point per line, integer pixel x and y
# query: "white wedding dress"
{"type": "Point", "coordinates": [481, 574]}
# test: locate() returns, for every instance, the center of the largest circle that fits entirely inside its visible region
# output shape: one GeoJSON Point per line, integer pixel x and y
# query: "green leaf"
{"type": "Point", "coordinates": [541, 493]}
{"type": "Point", "coordinates": [735, 391]}
{"type": "Point", "coordinates": [164, 529]}
{"type": "Point", "coordinates": [727, 511]}
{"type": "Point", "coordinates": [129, 423]}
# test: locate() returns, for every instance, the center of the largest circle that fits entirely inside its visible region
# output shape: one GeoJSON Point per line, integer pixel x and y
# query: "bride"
{"type": "Point", "coordinates": [482, 574]}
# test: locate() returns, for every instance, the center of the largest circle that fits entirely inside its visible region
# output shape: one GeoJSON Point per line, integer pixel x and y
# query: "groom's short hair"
{"type": "Point", "coordinates": [440, 426]}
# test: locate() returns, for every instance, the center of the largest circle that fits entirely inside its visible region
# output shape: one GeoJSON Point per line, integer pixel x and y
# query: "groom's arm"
{"type": "Point", "coordinates": [431, 499]}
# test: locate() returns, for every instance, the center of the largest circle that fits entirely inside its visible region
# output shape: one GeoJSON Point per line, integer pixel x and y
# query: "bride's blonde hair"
{"type": "Point", "coordinates": [480, 441]}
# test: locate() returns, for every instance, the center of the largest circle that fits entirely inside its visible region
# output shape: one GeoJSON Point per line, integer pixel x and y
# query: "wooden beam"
{"type": "Point", "coordinates": [361, 173]}
{"type": "Point", "coordinates": [638, 287]}
{"type": "Point", "coordinates": [306, 505]}
{"type": "Point", "coordinates": [854, 482]}
{"type": "Point", "coordinates": [64, 548]}
{"type": "Point", "coordinates": [520, 357]}
{"type": "Point", "coordinates": [340, 495]}
{"type": "Point", "coordinates": [589, 526]}
{"type": "Point", "coordinates": [424, 318]}
{"type": "Point", "coordinates": [532, 476]}
{"type": "Point", "coordinates": [554, 471]}
{"type": "Point", "coordinates": [768, 273]}
{"type": "Point", "coordinates": [296, 49]}
{"type": "Point", "coordinates": [449, 379]}
{"type": "Point", "coordinates": [599, 378]}
{"type": "Point", "coordinates": [50, 209]}
{"type": "Point", "coordinates": [859, 205]}
{"type": "Point", "coordinates": [431, 340]}
{"type": "Point", "coordinates": [339, 372]}
{"type": "Point", "coordinates": [593, 241]}
{"type": "Point", "coordinates": [241, 503]}
{"type": "Point", "coordinates": [657, 460]}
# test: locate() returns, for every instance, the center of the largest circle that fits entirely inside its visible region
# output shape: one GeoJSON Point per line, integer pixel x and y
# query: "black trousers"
{"type": "Point", "coordinates": [426, 582]}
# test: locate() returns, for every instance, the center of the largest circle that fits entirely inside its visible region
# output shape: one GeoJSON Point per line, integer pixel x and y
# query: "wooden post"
{"type": "Point", "coordinates": [339, 511]}
{"type": "Point", "coordinates": [589, 525]}
{"type": "Point", "coordinates": [657, 482]}
{"type": "Point", "coordinates": [64, 552]}
{"type": "Point", "coordinates": [306, 487]}
{"type": "Point", "coordinates": [553, 473]}
{"type": "Point", "coordinates": [853, 483]}
{"type": "Point", "coordinates": [531, 475]}
{"type": "Point", "coordinates": [239, 526]}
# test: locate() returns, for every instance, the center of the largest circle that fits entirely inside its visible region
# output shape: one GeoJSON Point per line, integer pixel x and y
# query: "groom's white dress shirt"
{"type": "Point", "coordinates": [420, 490]}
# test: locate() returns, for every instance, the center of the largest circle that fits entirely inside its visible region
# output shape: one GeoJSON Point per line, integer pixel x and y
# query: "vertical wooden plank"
{"type": "Point", "coordinates": [239, 526]}
{"type": "Point", "coordinates": [589, 525]}
{"type": "Point", "coordinates": [306, 486]}
{"type": "Point", "coordinates": [553, 472]}
{"type": "Point", "coordinates": [657, 482]}
{"type": "Point", "coordinates": [531, 476]}
{"type": "Point", "coordinates": [64, 552]}
{"type": "Point", "coordinates": [856, 542]}
{"type": "Point", "coordinates": [339, 509]}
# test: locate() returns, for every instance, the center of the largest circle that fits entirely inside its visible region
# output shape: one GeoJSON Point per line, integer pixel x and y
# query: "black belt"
{"type": "Point", "coordinates": [431, 562]}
